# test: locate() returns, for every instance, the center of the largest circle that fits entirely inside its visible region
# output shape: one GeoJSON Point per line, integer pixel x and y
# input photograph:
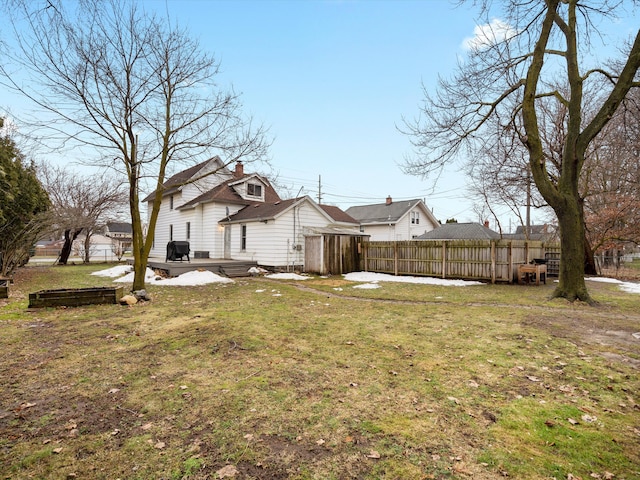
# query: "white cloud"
{"type": "Point", "coordinates": [489, 34]}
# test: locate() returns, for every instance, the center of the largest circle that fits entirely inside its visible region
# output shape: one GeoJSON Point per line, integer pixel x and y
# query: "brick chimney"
{"type": "Point", "coordinates": [239, 173]}
{"type": "Point", "coordinates": [486, 223]}
{"type": "Point", "coordinates": [389, 200]}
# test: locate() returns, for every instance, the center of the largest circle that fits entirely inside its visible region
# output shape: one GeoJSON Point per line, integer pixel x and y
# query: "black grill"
{"type": "Point", "coordinates": [176, 250]}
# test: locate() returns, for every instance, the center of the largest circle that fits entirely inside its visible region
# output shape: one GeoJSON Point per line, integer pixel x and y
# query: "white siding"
{"type": "Point", "coordinates": [273, 243]}
{"type": "Point", "coordinates": [193, 190]}
{"type": "Point", "coordinates": [403, 229]}
{"type": "Point", "coordinates": [206, 233]}
{"type": "Point", "coordinates": [167, 217]}
{"type": "Point", "coordinates": [380, 233]}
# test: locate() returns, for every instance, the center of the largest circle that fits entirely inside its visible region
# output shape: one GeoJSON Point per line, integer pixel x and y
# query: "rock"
{"type": "Point", "coordinates": [128, 300]}
{"type": "Point", "coordinates": [142, 295]}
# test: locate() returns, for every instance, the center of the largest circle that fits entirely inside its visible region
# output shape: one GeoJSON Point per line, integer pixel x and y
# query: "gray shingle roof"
{"type": "Point", "coordinates": [268, 211]}
{"type": "Point", "coordinates": [224, 193]}
{"type": "Point", "coordinates": [381, 212]}
{"type": "Point", "coordinates": [460, 231]}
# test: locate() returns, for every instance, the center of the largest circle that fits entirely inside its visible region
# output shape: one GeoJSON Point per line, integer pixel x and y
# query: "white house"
{"type": "Point", "coordinates": [274, 233]}
{"type": "Point", "coordinates": [404, 220]}
{"type": "Point", "coordinates": [232, 215]}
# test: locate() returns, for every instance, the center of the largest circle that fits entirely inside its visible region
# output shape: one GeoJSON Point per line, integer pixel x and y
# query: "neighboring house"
{"type": "Point", "coordinates": [232, 215]}
{"type": "Point", "coordinates": [101, 248]}
{"type": "Point", "coordinates": [461, 231]}
{"type": "Point", "coordinates": [542, 233]}
{"type": "Point", "coordinates": [404, 220]}
{"type": "Point", "coordinates": [121, 234]}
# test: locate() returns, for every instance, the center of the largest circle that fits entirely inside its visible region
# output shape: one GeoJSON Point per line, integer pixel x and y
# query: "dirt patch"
{"type": "Point", "coordinates": [614, 333]}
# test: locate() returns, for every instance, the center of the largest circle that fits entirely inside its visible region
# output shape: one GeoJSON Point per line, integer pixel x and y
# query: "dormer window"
{"type": "Point", "coordinates": [254, 190]}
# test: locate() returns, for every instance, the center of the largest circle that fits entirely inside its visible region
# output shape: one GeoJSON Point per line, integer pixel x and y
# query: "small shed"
{"type": "Point", "coordinates": [333, 251]}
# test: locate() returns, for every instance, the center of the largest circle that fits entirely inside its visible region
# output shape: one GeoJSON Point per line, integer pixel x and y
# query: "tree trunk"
{"type": "Point", "coordinates": [590, 267]}
{"type": "Point", "coordinates": [87, 249]}
{"type": "Point", "coordinates": [69, 238]}
{"type": "Point", "coordinates": [572, 254]}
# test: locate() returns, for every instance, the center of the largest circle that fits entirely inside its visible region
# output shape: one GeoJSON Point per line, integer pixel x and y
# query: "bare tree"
{"type": "Point", "coordinates": [80, 204]}
{"type": "Point", "coordinates": [611, 183]}
{"type": "Point", "coordinates": [137, 90]}
{"type": "Point", "coordinates": [507, 78]}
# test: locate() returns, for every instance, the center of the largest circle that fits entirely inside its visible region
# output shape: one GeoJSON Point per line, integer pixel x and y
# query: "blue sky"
{"type": "Point", "coordinates": [332, 79]}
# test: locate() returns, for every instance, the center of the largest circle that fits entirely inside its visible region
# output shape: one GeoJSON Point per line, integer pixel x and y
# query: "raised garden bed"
{"type": "Point", "coordinates": [74, 297]}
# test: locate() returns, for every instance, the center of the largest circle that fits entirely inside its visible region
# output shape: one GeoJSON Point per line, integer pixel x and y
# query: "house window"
{"type": "Point", "coordinates": [254, 190]}
{"type": "Point", "coordinates": [171, 233]}
{"type": "Point", "coordinates": [171, 202]}
{"type": "Point", "coordinates": [415, 218]}
{"type": "Point", "coordinates": [188, 230]}
{"type": "Point", "coordinates": [243, 241]}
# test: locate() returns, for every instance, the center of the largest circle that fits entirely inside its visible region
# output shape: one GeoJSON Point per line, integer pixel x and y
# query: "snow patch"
{"type": "Point", "coordinates": [114, 272]}
{"type": "Point", "coordinates": [187, 279]}
{"type": "Point", "coordinates": [286, 276]}
{"type": "Point", "coordinates": [370, 277]}
{"type": "Point", "coordinates": [629, 287]}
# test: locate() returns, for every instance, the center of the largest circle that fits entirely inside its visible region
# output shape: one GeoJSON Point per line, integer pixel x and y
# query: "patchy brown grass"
{"type": "Point", "coordinates": [408, 381]}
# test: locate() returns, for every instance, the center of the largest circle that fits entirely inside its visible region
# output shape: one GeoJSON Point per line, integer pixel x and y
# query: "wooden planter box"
{"type": "Point", "coordinates": [74, 297]}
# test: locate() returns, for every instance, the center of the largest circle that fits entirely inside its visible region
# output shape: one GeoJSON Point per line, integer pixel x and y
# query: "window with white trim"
{"type": "Point", "coordinates": [415, 218]}
{"type": "Point", "coordinates": [254, 190]}
{"type": "Point", "coordinates": [243, 237]}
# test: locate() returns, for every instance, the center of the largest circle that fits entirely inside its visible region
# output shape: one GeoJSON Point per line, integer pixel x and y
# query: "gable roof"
{"type": "Point", "coordinates": [263, 212]}
{"type": "Point", "coordinates": [388, 212]}
{"type": "Point", "coordinates": [544, 232]}
{"type": "Point", "coordinates": [177, 181]}
{"type": "Point", "coordinates": [225, 193]}
{"type": "Point", "coordinates": [460, 231]}
{"type": "Point", "coordinates": [338, 215]}
{"type": "Point", "coordinates": [119, 227]}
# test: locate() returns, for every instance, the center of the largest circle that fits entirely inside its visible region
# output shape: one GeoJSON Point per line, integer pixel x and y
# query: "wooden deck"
{"type": "Point", "coordinates": [228, 268]}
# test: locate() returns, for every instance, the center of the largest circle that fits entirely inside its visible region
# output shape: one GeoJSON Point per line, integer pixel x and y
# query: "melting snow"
{"type": "Point", "coordinates": [630, 287]}
{"type": "Point", "coordinates": [186, 279]}
{"type": "Point", "coordinates": [286, 276]}
{"type": "Point", "coordinates": [370, 277]}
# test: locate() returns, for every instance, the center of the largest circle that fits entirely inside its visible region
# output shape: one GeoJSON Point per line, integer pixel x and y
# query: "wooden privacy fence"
{"type": "Point", "coordinates": [332, 254]}
{"type": "Point", "coordinates": [491, 260]}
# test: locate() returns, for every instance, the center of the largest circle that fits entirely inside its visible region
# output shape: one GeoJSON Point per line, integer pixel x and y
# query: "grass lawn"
{"type": "Point", "coordinates": [266, 379]}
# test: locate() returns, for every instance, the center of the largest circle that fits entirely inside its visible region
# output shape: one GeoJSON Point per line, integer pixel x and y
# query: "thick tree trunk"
{"type": "Point", "coordinates": [572, 255]}
{"type": "Point", "coordinates": [69, 238]}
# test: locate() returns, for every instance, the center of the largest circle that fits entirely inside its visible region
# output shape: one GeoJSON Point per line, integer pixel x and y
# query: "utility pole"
{"type": "Point", "coordinates": [319, 189]}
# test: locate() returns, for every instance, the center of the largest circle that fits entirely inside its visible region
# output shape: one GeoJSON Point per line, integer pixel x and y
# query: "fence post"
{"type": "Point", "coordinates": [365, 257]}
{"type": "Point", "coordinates": [444, 259]}
{"type": "Point", "coordinates": [510, 260]}
{"type": "Point", "coordinates": [395, 258]}
{"type": "Point", "coordinates": [493, 261]}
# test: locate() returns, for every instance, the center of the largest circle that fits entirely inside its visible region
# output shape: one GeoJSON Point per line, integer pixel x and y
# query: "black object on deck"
{"type": "Point", "coordinates": [176, 250]}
